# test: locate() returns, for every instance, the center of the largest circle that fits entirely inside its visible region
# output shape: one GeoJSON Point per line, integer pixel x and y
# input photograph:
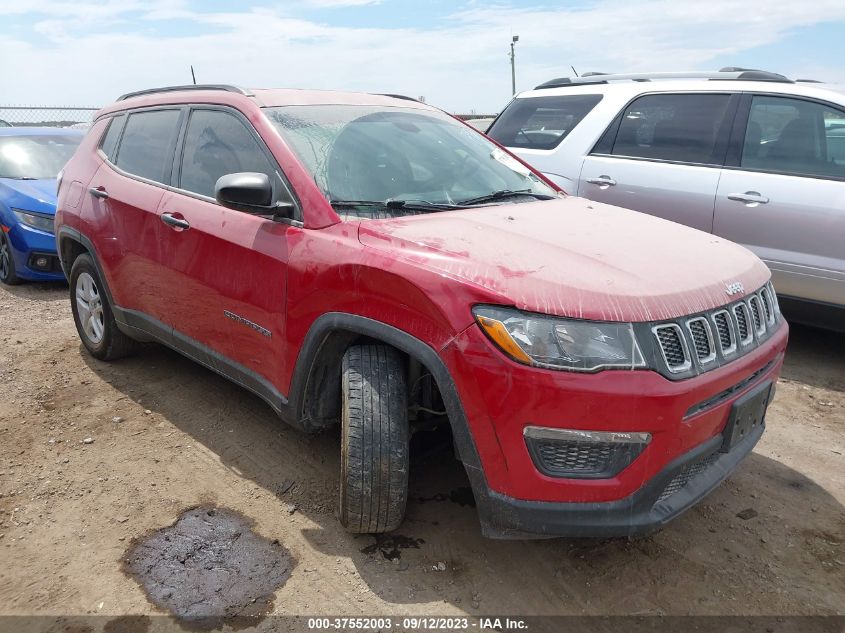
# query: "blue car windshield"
{"type": "Point", "coordinates": [35, 157]}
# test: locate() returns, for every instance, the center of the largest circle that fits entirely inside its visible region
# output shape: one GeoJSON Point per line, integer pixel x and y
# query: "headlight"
{"type": "Point", "coordinates": [546, 341]}
{"type": "Point", "coordinates": [39, 221]}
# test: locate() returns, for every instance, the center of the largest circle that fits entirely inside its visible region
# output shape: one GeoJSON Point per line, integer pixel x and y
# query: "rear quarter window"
{"type": "Point", "coordinates": [108, 144]}
{"type": "Point", "coordinates": [541, 122]}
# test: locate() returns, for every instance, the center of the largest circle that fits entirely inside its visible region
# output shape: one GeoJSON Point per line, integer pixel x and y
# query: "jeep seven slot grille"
{"type": "Point", "coordinates": [723, 328]}
{"type": "Point", "coordinates": [672, 345]}
{"type": "Point", "coordinates": [702, 339]}
{"type": "Point", "coordinates": [767, 305]}
{"type": "Point", "coordinates": [754, 304]}
{"type": "Point", "coordinates": [741, 314]}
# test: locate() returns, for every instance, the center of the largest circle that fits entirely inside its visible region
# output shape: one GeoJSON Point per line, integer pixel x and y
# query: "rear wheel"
{"type": "Point", "coordinates": [374, 448]}
{"type": "Point", "coordinates": [7, 262]}
{"type": "Point", "coordinates": [93, 315]}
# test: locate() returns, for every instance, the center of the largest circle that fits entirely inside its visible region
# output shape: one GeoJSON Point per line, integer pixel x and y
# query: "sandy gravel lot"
{"type": "Point", "coordinates": [166, 435]}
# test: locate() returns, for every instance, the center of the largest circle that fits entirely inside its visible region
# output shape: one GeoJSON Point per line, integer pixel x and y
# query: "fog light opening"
{"type": "Point", "coordinates": [579, 454]}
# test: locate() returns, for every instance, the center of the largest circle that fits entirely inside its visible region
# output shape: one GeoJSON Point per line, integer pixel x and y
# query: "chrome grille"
{"type": "Point", "coordinates": [756, 316]}
{"type": "Point", "coordinates": [741, 314]}
{"type": "Point", "coordinates": [673, 347]}
{"type": "Point", "coordinates": [725, 330]}
{"type": "Point", "coordinates": [768, 308]}
{"type": "Point", "coordinates": [773, 297]}
{"type": "Point", "coordinates": [702, 339]}
{"type": "Point", "coordinates": [699, 341]}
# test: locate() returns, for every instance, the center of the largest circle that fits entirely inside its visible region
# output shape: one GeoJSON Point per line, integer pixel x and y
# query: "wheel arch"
{"type": "Point", "coordinates": [315, 389]}
{"type": "Point", "coordinates": [70, 244]}
{"type": "Point", "coordinates": [69, 248]}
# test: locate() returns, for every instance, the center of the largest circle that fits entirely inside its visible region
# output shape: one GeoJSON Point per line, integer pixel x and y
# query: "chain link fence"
{"type": "Point", "coordinates": [67, 116]}
{"type": "Point", "coordinates": [46, 116]}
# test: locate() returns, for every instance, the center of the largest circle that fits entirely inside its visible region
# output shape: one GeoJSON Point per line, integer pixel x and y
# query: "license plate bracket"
{"type": "Point", "coordinates": [747, 414]}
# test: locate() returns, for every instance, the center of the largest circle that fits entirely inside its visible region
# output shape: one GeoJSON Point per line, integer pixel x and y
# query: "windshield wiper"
{"type": "Point", "coordinates": [356, 203]}
{"type": "Point", "coordinates": [503, 194]}
{"type": "Point", "coordinates": [392, 203]}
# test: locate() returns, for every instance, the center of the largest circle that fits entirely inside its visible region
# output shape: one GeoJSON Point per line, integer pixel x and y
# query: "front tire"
{"type": "Point", "coordinates": [7, 262]}
{"type": "Point", "coordinates": [93, 315]}
{"type": "Point", "coordinates": [375, 436]}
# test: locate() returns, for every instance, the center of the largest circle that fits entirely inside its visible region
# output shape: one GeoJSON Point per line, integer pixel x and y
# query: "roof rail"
{"type": "Point", "coordinates": [752, 74]}
{"type": "Point", "coordinates": [395, 96]}
{"type": "Point", "coordinates": [150, 91]}
{"type": "Point", "coordinates": [729, 73]}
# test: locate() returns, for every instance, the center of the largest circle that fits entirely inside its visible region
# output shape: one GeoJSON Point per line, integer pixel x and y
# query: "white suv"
{"type": "Point", "coordinates": [747, 155]}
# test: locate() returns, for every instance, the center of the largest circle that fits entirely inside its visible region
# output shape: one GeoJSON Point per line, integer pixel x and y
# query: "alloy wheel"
{"type": "Point", "coordinates": [89, 306]}
{"type": "Point", "coordinates": [5, 258]}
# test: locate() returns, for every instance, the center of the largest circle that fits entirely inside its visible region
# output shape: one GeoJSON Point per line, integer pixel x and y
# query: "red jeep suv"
{"type": "Point", "coordinates": [370, 261]}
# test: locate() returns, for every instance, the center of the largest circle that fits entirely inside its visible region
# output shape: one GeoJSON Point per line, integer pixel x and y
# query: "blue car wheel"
{"type": "Point", "coordinates": [7, 262]}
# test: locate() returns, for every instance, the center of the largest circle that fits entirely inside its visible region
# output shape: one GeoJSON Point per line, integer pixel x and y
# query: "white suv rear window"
{"type": "Point", "coordinates": [541, 122]}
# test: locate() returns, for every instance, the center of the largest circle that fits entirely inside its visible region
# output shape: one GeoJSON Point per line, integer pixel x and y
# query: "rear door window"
{"type": "Point", "coordinates": [218, 143]}
{"type": "Point", "coordinates": [794, 136]}
{"type": "Point", "coordinates": [146, 148]}
{"type": "Point", "coordinates": [687, 128]}
{"type": "Point", "coordinates": [541, 122]}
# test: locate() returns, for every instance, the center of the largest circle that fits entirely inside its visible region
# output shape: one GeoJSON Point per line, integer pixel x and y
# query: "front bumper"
{"type": "Point", "coordinates": [27, 245]}
{"type": "Point", "coordinates": [693, 476]}
{"type": "Point", "coordinates": [685, 419]}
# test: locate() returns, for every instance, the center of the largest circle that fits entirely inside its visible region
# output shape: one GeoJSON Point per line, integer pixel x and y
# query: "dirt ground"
{"type": "Point", "coordinates": [164, 435]}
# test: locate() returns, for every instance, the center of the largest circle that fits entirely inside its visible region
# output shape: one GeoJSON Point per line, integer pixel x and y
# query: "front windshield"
{"type": "Point", "coordinates": [403, 160]}
{"type": "Point", "coordinates": [35, 157]}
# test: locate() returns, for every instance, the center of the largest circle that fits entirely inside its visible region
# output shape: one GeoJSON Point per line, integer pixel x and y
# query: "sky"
{"type": "Point", "coordinates": [454, 53]}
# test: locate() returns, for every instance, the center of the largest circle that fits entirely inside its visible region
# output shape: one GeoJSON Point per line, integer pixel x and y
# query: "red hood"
{"type": "Point", "coordinates": [574, 257]}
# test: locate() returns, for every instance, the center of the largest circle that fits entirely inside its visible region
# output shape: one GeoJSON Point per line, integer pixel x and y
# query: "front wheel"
{"type": "Point", "coordinates": [7, 262]}
{"type": "Point", "coordinates": [375, 435]}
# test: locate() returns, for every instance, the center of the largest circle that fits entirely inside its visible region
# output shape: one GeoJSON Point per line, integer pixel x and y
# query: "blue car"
{"type": "Point", "coordinates": [30, 160]}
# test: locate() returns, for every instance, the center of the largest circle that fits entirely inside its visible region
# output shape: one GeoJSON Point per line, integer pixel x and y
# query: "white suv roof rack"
{"type": "Point", "coordinates": [729, 73]}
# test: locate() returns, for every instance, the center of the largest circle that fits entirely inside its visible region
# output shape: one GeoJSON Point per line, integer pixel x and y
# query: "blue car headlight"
{"type": "Point", "coordinates": [40, 221]}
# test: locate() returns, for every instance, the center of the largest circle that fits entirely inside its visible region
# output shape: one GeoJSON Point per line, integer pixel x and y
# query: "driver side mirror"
{"type": "Point", "coordinates": [250, 192]}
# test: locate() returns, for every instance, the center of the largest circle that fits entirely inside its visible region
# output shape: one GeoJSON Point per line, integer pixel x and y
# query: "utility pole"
{"type": "Point", "coordinates": [514, 40]}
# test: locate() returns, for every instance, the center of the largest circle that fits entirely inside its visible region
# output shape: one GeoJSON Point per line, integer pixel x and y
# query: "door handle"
{"type": "Point", "coordinates": [177, 223]}
{"type": "Point", "coordinates": [749, 197]}
{"type": "Point", "coordinates": [99, 192]}
{"type": "Point", "coordinates": [602, 181]}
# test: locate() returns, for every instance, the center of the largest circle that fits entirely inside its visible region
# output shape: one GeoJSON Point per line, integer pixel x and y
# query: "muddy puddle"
{"type": "Point", "coordinates": [210, 568]}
